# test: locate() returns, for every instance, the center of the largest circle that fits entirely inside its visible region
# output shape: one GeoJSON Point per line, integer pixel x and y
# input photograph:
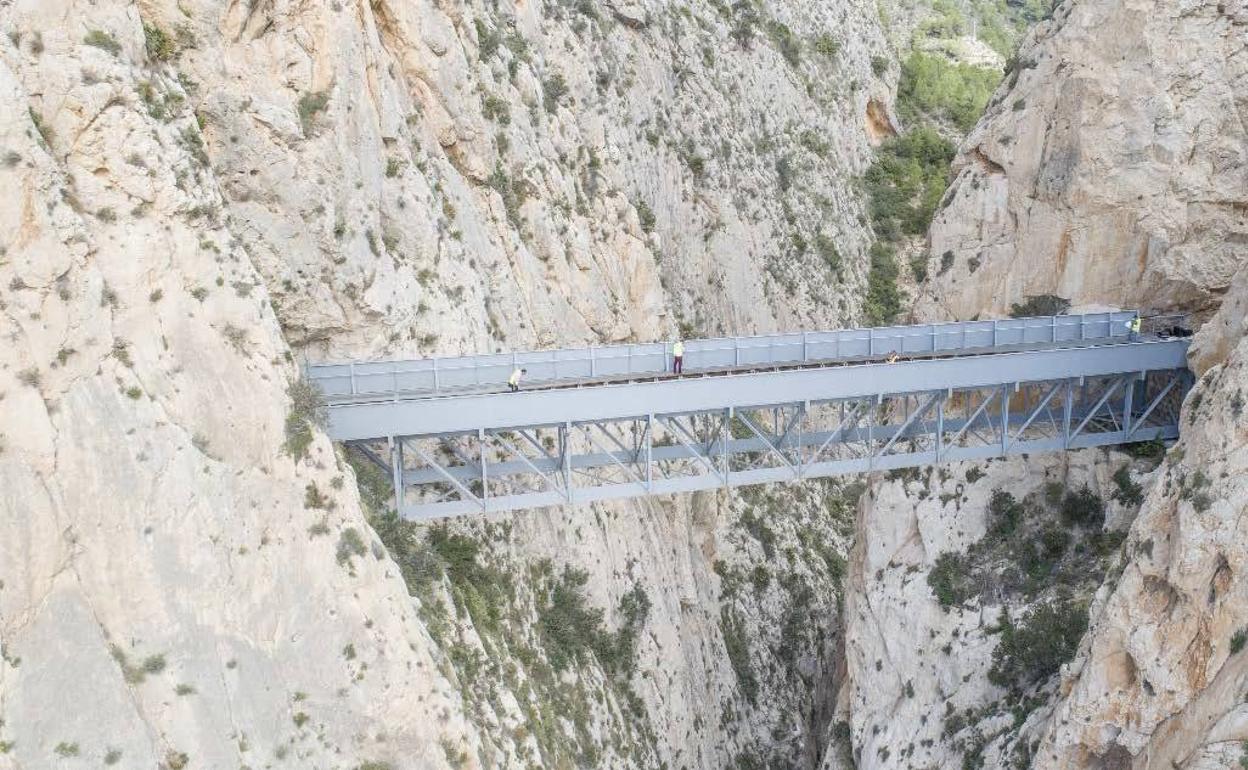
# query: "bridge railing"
{"type": "Point", "coordinates": [436, 375]}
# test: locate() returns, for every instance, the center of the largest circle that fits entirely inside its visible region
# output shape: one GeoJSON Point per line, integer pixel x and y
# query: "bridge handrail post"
{"type": "Point", "coordinates": [805, 355]}
{"type": "Point", "coordinates": [436, 385]}
{"type": "Point", "coordinates": [871, 341]}
{"type": "Point", "coordinates": [1053, 330]}
{"type": "Point", "coordinates": [353, 391]}
{"type": "Point", "coordinates": [932, 327]}
{"type": "Point", "coordinates": [736, 351]}
{"type": "Point", "coordinates": [994, 332]}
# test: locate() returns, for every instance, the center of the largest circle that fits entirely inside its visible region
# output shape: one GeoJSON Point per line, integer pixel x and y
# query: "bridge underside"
{"type": "Point", "coordinates": [526, 466]}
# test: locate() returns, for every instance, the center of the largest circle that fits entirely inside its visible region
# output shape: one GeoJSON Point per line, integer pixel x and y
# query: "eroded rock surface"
{"type": "Point", "coordinates": [1110, 169]}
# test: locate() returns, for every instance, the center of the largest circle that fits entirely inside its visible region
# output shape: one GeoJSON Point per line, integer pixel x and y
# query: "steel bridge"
{"type": "Point", "coordinates": [613, 422]}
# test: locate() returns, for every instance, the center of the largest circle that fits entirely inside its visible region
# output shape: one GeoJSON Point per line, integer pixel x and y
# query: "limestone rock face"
{"type": "Point", "coordinates": [1110, 171]}
{"type": "Point", "coordinates": [1160, 677]}
{"type": "Point", "coordinates": [414, 178]}
{"type": "Point", "coordinates": [166, 589]}
{"type": "Point", "coordinates": [917, 688]}
{"type": "Point", "coordinates": [198, 196]}
{"type": "Point", "coordinates": [1110, 168]}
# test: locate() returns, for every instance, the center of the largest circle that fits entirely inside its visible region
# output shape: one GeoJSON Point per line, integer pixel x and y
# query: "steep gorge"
{"type": "Point", "coordinates": [202, 194]}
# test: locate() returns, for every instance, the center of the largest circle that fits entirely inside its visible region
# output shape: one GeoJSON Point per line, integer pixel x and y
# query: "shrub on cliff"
{"type": "Point", "coordinates": [1035, 648]}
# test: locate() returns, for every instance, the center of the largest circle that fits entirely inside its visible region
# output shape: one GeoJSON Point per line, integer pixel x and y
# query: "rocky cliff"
{"type": "Point", "coordinates": [201, 194]}
{"type": "Point", "coordinates": [1108, 169]}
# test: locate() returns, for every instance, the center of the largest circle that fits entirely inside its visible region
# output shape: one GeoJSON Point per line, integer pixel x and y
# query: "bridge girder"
{"type": "Point", "coordinates": [570, 463]}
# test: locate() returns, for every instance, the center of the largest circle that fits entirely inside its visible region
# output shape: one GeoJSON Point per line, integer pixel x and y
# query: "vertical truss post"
{"type": "Point", "coordinates": [1068, 409]}
{"type": "Point", "coordinates": [1005, 418]}
{"type": "Point", "coordinates": [875, 414]}
{"type": "Point", "coordinates": [485, 478]}
{"type": "Point", "coordinates": [1127, 405]}
{"type": "Point", "coordinates": [724, 435]}
{"type": "Point", "coordinates": [801, 455]}
{"type": "Point", "coordinates": [565, 435]}
{"type": "Point", "coordinates": [940, 423]}
{"type": "Point", "coordinates": [396, 470]}
{"type": "Point", "coordinates": [650, 453]}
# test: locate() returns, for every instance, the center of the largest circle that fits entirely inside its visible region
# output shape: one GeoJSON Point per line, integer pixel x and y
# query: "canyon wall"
{"type": "Point", "coordinates": [1111, 167]}
{"type": "Point", "coordinates": [201, 195]}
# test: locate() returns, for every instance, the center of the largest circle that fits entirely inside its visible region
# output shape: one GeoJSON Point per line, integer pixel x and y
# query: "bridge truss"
{"type": "Point", "coordinates": [542, 463]}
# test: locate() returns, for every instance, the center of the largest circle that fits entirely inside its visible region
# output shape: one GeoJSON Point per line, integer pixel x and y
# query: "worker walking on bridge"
{"type": "Point", "coordinates": [678, 356]}
{"type": "Point", "coordinates": [1134, 326]}
{"type": "Point", "coordinates": [513, 382]}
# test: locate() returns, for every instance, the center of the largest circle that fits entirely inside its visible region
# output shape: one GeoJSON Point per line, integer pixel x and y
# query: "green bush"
{"type": "Point", "coordinates": [785, 42]}
{"type": "Point", "coordinates": [307, 411]}
{"type": "Point", "coordinates": [44, 130]}
{"type": "Point", "coordinates": [883, 297]}
{"type": "Point", "coordinates": [618, 651]}
{"type": "Point", "coordinates": [1035, 648]}
{"type": "Point", "coordinates": [159, 44]}
{"type": "Point", "coordinates": [495, 108]}
{"type": "Point", "coordinates": [905, 184]}
{"type": "Point", "coordinates": [1038, 556]}
{"type": "Point", "coordinates": [1128, 492]}
{"type": "Point", "coordinates": [933, 86]}
{"type": "Point", "coordinates": [950, 580]}
{"type": "Point", "coordinates": [745, 24]}
{"type": "Point", "coordinates": [1238, 639]}
{"type": "Point", "coordinates": [1004, 514]}
{"type": "Point", "coordinates": [1083, 507]}
{"type": "Point", "coordinates": [554, 89]}
{"type": "Point", "coordinates": [476, 588]}
{"type": "Point", "coordinates": [488, 40]}
{"type": "Point", "coordinates": [785, 173]}
{"type": "Point", "coordinates": [645, 216]}
{"type": "Point", "coordinates": [570, 628]}
{"type": "Point", "coordinates": [826, 45]}
{"type": "Point", "coordinates": [737, 645]}
{"type": "Point", "coordinates": [1039, 305]}
{"type": "Point", "coordinates": [310, 105]}
{"type": "Point", "coordinates": [350, 544]}
{"type": "Point", "coordinates": [103, 40]}
{"type": "Point", "coordinates": [827, 251]}
{"type": "Point", "coordinates": [1148, 449]}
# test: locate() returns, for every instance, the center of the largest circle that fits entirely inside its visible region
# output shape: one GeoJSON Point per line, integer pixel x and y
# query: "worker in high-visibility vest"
{"type": "Point", "coordinates": [678, 356]}
{"type": "Point", "coordinates": [513, 382]}
{"type": "Point", "coordinates": [1134, 326]}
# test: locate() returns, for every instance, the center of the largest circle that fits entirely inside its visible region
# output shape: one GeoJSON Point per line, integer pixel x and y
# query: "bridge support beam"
{"type": "Point", "coordinates": [572, 463]}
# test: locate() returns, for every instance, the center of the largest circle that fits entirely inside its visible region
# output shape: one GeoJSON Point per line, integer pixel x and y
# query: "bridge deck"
{"type": "Point", "coordinates": [567, 441]}
{"type": "Point", "coordinates": [488, 373]}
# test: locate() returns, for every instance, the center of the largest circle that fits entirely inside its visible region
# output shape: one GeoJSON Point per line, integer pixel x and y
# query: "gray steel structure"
{"type": "Point", "coordinates": [430, 376]}
{"type": "Point", "coordinates": [573, 441]}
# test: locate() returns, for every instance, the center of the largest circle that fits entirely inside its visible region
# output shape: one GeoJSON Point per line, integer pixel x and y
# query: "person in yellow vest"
{"type": "Point", "coordinates": [678, 356]}
{"type": "Point", "coordinates": [1134, 325]}
{"type": "Point", "coordinates": [513, 382]}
